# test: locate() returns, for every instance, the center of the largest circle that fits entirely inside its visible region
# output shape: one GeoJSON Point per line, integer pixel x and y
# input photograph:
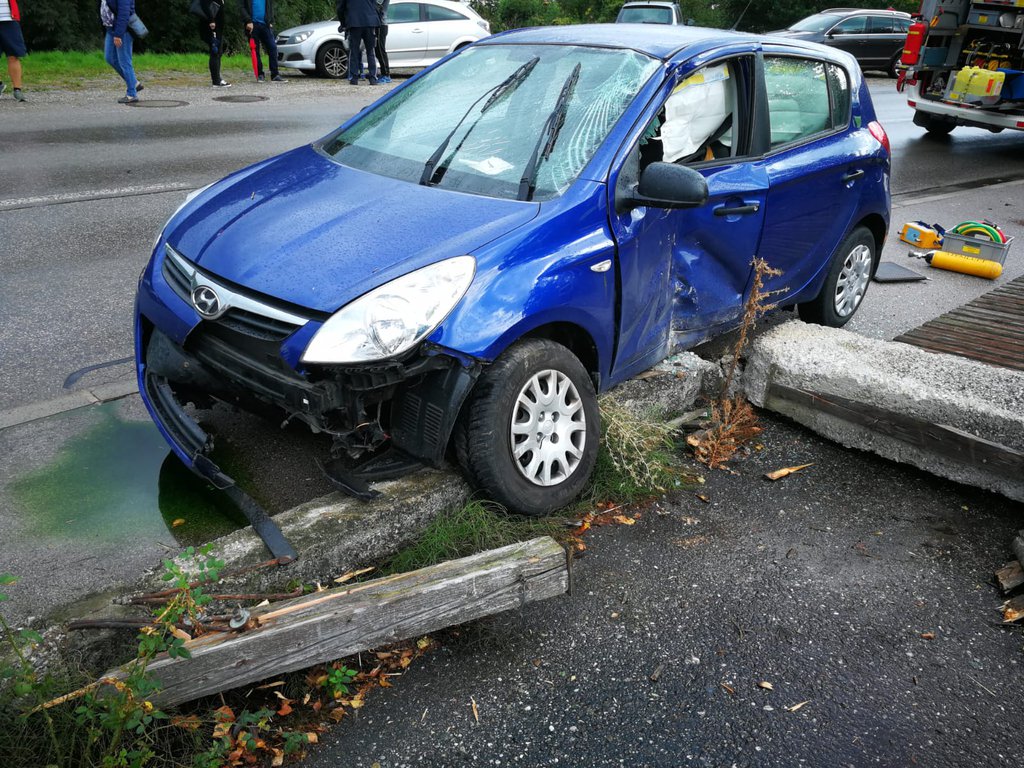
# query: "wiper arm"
{"type": "Point", "coordinates": [548, 136]}
{"type": "Point", "coordinates": [495, 94]}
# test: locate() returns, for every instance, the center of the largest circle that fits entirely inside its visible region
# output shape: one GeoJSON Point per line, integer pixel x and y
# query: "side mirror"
{"type": "Point", "coordinates": [667, 185]}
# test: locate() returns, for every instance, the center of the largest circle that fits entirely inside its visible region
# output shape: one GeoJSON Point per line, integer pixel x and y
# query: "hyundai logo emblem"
{"type": "Point", "coordinates": [206, 301]}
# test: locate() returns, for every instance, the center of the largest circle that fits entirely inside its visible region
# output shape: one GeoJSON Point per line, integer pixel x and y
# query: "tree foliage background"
{"type": "Point", "coordinates": [74, 24]}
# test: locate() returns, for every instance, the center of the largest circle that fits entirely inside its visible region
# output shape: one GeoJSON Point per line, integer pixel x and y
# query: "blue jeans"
{"type": "Point", "coordinates": [264, 35]}
{"type": "Point", "coordinates": [121, 59]}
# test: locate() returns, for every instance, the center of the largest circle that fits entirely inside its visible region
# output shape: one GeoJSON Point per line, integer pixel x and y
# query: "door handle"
{"type": "Point", "coordinates": [739, 209]}
{"type": "Point", "coordinates": [853, 175]}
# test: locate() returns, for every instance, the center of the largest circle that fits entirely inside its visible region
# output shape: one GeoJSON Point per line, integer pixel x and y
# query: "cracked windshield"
{"type": "Point", "coordinates": [507, 121]}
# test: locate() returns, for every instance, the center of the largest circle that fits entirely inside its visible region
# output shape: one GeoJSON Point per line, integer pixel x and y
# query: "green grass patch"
{"type": "Point", "coordinates": [75, 70]}
{"type": "Point", "coordinates": [474, 527]}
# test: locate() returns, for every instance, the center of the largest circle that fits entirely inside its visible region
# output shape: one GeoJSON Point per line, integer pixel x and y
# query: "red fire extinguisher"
{"type": "Point", "coordinates": [915, 39]}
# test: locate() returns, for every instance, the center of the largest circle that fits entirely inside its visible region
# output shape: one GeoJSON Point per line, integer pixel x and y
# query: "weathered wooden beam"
{"type": "Point", "coordinates": [338, 622]}
{"type": "Point", "coordinates": [1010, 576]}
{"type": "Point", "coordinates": [941, 439]}
{"type": "Point", "coordinates": [1018, 547]}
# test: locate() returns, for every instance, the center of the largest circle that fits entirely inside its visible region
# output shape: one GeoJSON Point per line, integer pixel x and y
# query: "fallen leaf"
{"type": "Point", "coordinates": [778, 474]}
{"type": "Point", "coordinates": [476, 712]}
{"type": "Point", "coordinates": [191, 722]}
{"type": "Point", "coordinates": [286, 708]}
{"type": "Point", "coordinates": [178, 521]}
{"type": "Point", "coordinates": [357, 702]}
{"type": "Point", "coordinates": [423, 643]}
{"type": "Point", "coordinates": [336, 714]}
{"type": "Point", "coordinates": [623, 520]}
{"type": "Point", "coordinates": [278, 758]}
{"type": "Point", "coordinates": [928, 635]}
{"type": "Point", "coordinates": [312, 738]}
{"type": "Point", "coordinates": [766, 685]}
{"type": "Point", "coordinates": [728, 689]}
{"type": "Point", "coordinates": [352, 574]}
{"type": "Point", "coordinates": [795, 707]}
{"type": "Point", "coordinates": [180, 633]}
{"type": "Point", "coordinates": [704, 497]}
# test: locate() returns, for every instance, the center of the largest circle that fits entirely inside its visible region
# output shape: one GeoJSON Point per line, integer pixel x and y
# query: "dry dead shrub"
{"type": "Point", "coordinates": [733, 421]}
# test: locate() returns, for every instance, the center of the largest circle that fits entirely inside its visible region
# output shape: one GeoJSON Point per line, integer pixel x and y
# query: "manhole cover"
{"type": "Point", "coordinates": [158, 103]}
{"type": "Point", "coordinates": [239, 99]}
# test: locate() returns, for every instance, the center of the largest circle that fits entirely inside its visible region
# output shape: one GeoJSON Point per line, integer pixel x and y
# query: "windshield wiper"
{"type": "Point", "coordinates": [495, 94]}
{"type": "Point", "coordinates": [548, 136]}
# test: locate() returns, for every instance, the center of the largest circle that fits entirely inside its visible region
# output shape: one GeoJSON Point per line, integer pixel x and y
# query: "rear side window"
{"type": "Point", "coordinates": [805, 97]}
{"type": "Point", "coordinates": [403, 13]}
{"type": "Point", "coordinates": [437, 13]}
{"type": "Point", "coordinates": [902, 25]}
{"type": "Point", "coordinates": [881, 25]}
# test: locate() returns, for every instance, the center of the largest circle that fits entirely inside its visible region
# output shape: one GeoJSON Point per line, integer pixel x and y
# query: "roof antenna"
{"type": "Point", "coordinates": [737, 22]}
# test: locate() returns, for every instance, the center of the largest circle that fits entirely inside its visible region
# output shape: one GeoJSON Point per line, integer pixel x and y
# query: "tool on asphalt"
{"type": "Point", "coordinates": [967, 265]}
{"type": "Point", "coordinates": [921, 235]}
{"type": "Point", "coordinates": [889, 272]}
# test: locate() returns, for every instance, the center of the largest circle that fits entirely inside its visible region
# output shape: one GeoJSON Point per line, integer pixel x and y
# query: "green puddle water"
{"type": "Point", "coordinates": [118, 481]}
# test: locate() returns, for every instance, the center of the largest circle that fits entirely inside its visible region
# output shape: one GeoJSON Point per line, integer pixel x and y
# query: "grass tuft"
{"type": "Point", "coordinates": [475, 527]}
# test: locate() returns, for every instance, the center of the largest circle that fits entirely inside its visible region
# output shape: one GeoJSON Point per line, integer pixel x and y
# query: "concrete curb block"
{"type": "Point", "coordinates": [974, 398]}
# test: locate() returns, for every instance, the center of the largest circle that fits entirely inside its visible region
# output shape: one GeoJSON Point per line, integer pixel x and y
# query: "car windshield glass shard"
{"type": "Point", "coordinates": [549, 135]}
{"type": "Point", "coordinates": [503, 88]}
{"type": "Point", "coordinates": [488, 123]}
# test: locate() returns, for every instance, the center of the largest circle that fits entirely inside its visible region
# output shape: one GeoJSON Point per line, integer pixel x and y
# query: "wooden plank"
{"type": "Point", "coordinates": [1018, 547]}
{"type": "Point", "coordinates": [1010, 576]}
{"type": "Point", "coordinates": [338, 622]}
{"type": "Point", "coordinates": [937, 438]}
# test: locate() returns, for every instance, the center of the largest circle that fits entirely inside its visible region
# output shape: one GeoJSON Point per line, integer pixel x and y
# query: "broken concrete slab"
{"type": "Point", "coordinates": [978, 405]}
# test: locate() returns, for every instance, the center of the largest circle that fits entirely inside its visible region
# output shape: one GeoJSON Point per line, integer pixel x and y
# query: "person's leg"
{"type": "Point", "coordinates": [259, 49]}
{"type": "Point", "coordinates": [110, 53]}
{"type": "Point", "coordinates": [206, 35]}
{"type": "Point", "coordinates": [14, 70]}
{"type": "Point", "coordinates": [371, 60]}
{"type": "Point", "coordinates": [124, 58]}
{"type": "Point", "coordinates": [271, 45]}
{"type": "Point", "coordinates": [12, 44]}
{"type": "Point", "coordinates": [382, 51]}
{"type": "Point", "coordinates": [354, 56]}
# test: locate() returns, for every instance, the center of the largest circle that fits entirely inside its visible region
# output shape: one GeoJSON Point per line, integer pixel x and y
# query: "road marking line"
{"type": "Point", "coordinates": [101, 393]}
{"type": "Point", "coordinates": [65, 198]}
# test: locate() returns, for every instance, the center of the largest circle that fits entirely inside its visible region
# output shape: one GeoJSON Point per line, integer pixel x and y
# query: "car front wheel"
{"type": "Point", "coordinates": [846, 283]}
{"type": "Point", "coordinates": [332, 60]}
{"type": "Point", "coordinates": [528, 436]}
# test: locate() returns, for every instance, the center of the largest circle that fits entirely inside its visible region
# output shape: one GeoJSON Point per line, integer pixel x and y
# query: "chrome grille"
{"type": "Point", "coordinates": [246, 314]}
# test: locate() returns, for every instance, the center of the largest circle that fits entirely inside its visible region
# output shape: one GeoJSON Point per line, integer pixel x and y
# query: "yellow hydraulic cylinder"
{"type": "Point", "coordinates": [968, 265]}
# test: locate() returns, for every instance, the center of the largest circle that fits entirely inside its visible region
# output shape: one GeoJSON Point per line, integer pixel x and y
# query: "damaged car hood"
{"type": "Point", "coordinates": [306, 230]}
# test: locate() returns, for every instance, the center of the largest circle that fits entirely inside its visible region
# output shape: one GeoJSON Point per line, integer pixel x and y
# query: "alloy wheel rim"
{"type": "Point", "coordinates": [334, 61]}
{"type": "Point", "coordinates": [853, 280]}
{"type": "Point", "coordinates": [548, 433]}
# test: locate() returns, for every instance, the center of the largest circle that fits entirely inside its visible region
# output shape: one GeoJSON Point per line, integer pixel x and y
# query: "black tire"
{"type": "Point", "coordinates": [846, 283]}
{"type": "Point", "coordinates": [936, 126]}
{"type": "Point", "coordinates": [893, 68]}
{"type": "Point", "coordinates": [332, 60]}
{"type": "Point", "coordinates": [484, 437]}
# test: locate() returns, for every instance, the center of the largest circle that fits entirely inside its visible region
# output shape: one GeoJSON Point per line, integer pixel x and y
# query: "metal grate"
{"type": "Point", "coordinates": [989, 329]}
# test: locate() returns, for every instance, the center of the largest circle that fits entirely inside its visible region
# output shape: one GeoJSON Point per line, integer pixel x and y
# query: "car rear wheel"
{"type": "Point", "coordinates": [332, 60]}
{"type": "Point", "coordinates": [528, 435]}
{"type": "Point", "coordinates": [936, 126]}
{"type": "Point", "coordinates": [846, 283]}
{"type": "Point", "coordinates": [893, 67]}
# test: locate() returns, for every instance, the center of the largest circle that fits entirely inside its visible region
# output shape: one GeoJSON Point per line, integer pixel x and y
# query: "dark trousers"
{"type": "Point", "coordinates": [264, 35]}
{"type": "Point", "coordinates": [367, 38]}
{"type": "Point", "coordinates": [381, 50]}
{"type": "Point", "coordinates": [215, 42]}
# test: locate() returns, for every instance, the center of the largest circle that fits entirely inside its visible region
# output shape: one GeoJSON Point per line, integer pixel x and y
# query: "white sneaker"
{"type": "Point", "coordinates": [222, 84]}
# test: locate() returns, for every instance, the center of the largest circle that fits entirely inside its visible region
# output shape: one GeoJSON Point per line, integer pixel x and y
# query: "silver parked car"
{"type": "Point", "coordinates": [419, 33]}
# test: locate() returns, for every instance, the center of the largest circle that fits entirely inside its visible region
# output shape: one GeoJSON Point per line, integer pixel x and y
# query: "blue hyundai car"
{"type": "Point", "coordinates": [457, 271]}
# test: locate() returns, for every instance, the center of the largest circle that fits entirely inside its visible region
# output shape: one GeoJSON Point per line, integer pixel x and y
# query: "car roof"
{"type": "Point", "coordinates": [659, 40]}
{"type": "Point", "coordinates": [633, 3]}
{"type": "Point", "coordinates": [872, 11]}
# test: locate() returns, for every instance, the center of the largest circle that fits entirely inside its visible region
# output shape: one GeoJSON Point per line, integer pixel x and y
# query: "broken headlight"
{"type": "Point", "coordinates": [394, 317]}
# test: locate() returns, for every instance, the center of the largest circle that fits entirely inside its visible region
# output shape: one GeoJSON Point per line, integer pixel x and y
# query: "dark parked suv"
{"type": "Point", "coordinates": [875, 38]}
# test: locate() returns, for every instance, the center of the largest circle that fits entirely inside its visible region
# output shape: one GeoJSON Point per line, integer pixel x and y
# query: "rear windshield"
{"type": "Point", "coordinates": [491, 117]}
{"type": "Point", "coordinates": [650, 14]}
{"type": "Point", "coordinates": [817, 23]}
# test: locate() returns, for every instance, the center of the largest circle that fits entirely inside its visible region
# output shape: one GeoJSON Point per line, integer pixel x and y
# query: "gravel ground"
{"type": "Point", "coordinates": [823, 584]}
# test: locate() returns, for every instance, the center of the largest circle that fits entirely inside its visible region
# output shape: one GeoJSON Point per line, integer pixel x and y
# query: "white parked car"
{"type": "Point", "coordinates": [418, 35]}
